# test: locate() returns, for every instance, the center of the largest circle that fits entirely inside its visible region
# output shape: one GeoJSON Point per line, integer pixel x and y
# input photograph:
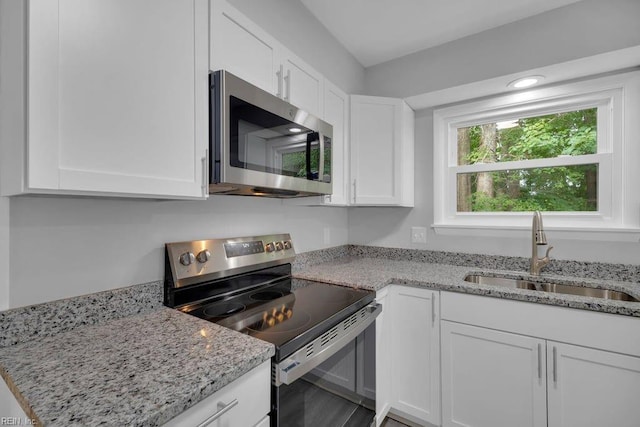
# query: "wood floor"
{"type": "Point", "coordinates": [388, 422]}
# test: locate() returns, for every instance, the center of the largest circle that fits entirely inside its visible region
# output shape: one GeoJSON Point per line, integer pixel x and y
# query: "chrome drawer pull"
{"type": "Point", "coordinates": [540, 361]}
{"type": "Point", "coordinates": [220, 413]}
{"type": "Point", "coordinates": [555, 366]}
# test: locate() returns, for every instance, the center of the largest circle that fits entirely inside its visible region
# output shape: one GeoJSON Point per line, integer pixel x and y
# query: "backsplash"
{"type": "Point", "coordinates": [26, 323]}
{"type": "Point", "coordinates": [593, 270]}
{"type": "Point", "coordinates": [42, 320]}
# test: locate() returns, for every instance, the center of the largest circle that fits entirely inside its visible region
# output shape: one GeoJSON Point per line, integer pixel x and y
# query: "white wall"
{"type": "Point", "coordinates": [65, 247]}
{"type": "Point", "coordinates": [390, 227]}
{"type": "Point", "coordinates": [291, 23]}
{"type": "Point", "coordinates": [4, 253]}
{"type": "Point", "coordinates": [579, 30]}
{"type": "Point", "coordinates": [575, 31]}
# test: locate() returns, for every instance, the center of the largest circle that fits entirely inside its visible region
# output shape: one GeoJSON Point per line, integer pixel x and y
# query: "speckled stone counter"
{"type": "Point", "coordinates": [375, 273]}
{"type": "Point", "coordinates": [44, 320]}
{"type": "Point", "coordinates": [141, 370]}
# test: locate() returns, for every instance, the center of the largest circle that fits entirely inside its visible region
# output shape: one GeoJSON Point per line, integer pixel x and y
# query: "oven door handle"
{"type": "Point", "coordinates": [307, 358]}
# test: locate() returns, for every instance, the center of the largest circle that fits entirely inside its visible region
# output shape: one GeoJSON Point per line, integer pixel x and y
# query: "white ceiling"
{"type": "Point", "coordinates": [376, 31]}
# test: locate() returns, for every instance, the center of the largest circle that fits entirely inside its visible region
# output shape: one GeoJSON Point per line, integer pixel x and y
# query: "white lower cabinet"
{"type": "Point", "coordinates": [244, 402]}
{"type": "Point", "coordinates": [383, 356]}
{"type": "Point", "coordinates": [492, 378]}
{"type": "Point", "coordinates": [415, 373]}
{"type": "Point", "coordinates": [408, 355]}
{"type": "Point", "coordinates": [507, 363]}
{"type": "Point", "coordinates": [592, 388]}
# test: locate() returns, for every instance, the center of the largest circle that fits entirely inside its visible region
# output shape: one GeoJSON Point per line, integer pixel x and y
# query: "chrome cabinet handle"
{"type": "Point", "coordinates": [433, 309]}
{"type": "Point", "coordinates": [220, 413]}
{"type": "Point", "coordinates": [354, 191]}
{"type": "Point", "coordinates": [539, 361]}
{"type": "Point", "coordinates": [287, 80]}
{"type": "Point", "coordinates": [555, 365]}
{"type": "Point", "coordinates": [279, 76]}
{"type": "Point", "coordinates": [205, 173]}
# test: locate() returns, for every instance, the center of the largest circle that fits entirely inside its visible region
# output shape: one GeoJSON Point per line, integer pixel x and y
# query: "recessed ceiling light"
{"type": "Point", "coordinates": [295, 130]}
{"type": "Point", "coordinates": [525, 82]}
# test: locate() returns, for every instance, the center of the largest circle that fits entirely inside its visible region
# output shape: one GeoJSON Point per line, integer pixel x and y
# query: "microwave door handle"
{"type": "Point", "coordinates": [308, 159]}
{"type": "Point", "coordinates": [311, 138]}
{"type": "Point", "coordinates": [321, 158]}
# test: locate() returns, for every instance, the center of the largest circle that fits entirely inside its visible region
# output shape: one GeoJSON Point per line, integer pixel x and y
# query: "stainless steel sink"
{"type": "Point", "coordinates": [550, 287]}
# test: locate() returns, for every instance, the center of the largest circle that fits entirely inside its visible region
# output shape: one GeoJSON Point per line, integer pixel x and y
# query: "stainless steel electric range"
{"type": "Point", "coordinates": [323, 371]}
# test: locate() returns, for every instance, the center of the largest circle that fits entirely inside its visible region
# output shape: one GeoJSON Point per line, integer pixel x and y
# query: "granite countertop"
{"type": "Point", "coordinates": [375, 273]}
{"type": "Point", "coordinates": [139, 370]}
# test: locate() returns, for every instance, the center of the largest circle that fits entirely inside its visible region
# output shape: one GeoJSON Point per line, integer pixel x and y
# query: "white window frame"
{"type": "Point", "coordinates": [617, 98]}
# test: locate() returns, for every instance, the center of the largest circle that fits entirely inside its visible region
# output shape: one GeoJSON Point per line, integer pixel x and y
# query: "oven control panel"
{"type": "Point", "coordinates": [243, 248]}
{"type": "Point", "coordinates": [199, 260]}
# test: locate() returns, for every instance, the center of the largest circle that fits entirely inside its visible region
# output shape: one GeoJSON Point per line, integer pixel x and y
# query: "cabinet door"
{"type": "Point", "coordinates": [118, 96]}
{"type": "Point", "coordinates": [336, 113]}
{"type": "Point", "coordinates": [415, 357]}
{"type": "Point", "coordinates": [383, 356]}
{"type": "Point", "coordinates": [241, 47]}
{"type": "Point", "coordinates": [303, 86]}
{"type": "Point", "coordinates": [381, 151]}
{"type": "Point", "coordinates": [592, 388]}
{"type": "Point", "coordinates": [492, 378]}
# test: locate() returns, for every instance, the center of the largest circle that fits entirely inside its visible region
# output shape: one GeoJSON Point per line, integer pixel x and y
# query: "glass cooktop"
{"type": "Point", "coordinates": [288, 313]}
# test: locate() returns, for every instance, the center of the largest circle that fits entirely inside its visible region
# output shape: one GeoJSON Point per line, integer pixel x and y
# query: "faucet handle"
{"type": "Point", "coordinates": [546, 255]}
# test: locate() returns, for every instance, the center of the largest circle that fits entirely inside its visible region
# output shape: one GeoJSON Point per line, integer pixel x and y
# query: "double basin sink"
{"type": "Point", "coordinates": [549, 287]}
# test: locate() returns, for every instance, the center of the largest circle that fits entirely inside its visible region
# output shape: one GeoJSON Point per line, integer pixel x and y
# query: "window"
{"type": "Point", "coordinates": [571, 151]}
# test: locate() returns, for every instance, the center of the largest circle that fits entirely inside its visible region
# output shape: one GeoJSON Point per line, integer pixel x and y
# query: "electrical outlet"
{"type": "Point", "coordinates": [418, 235]}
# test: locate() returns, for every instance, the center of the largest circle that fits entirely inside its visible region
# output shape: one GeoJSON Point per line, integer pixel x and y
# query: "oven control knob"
{"type": "Point", "coordinates": [279, 246]}
{"type": "Point", "coordinates": [287, 244]}
{"type": "Point", "coordinates": [203, 256]}
{"type": "Point", "coordinates": [187, 258]}
{"type": "Point", "coordinates": [270, 247]}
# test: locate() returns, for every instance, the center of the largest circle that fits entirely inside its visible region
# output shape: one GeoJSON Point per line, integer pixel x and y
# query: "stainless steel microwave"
{"type": "Point", "coordinates": [261, 145]}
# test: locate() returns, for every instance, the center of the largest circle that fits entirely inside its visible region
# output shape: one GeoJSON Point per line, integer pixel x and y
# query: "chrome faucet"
{"type": "Point", "coordinates": [538, 238]}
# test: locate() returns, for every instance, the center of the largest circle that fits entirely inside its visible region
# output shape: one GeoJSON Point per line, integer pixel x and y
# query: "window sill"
{"type": "Point", "coordinates": [564, 233]}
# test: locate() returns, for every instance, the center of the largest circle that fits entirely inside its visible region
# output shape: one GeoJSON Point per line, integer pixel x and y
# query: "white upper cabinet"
{"type": "Point", "coordinates": [241, 47]}
{"type": "Point", "coordinates": [382, 139]}
{"type": "Point", "coordinates": [336, 113]}
{"type": "Point", "coordinates": [244, 49]}
{"type": "Point", "coordinates": [373, 136]}
{"type": "Point", "coordinates": [116, 97]}
{"type": "Point", "coordinates": [302, 85]}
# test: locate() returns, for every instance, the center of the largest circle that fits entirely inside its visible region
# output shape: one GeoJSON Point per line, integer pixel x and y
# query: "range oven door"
{"type": "Point", "coordinates": [335, 389]}
{"type": "Point", "coordinates": [261, 143]}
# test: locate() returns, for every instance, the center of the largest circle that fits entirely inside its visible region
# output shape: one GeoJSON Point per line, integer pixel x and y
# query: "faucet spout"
{"type": "Point", "coordinates": [538, 238]}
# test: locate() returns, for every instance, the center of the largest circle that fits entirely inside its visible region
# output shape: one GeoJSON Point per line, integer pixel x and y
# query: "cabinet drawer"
{"type": "Point", "coordinates": [604, 331]}
{"type": "Point", "coordinates": [252, 392]}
